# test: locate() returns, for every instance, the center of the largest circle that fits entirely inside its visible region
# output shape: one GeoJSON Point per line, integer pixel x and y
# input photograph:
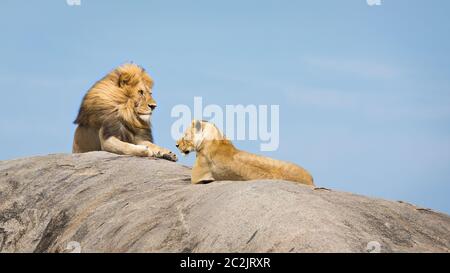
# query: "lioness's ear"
{"type": "Point", "coordinates": [197, 125]}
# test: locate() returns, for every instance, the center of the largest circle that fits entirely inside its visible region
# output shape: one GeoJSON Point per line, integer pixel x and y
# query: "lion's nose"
{"type": "Point", "coordinates": [152, 106]}
{"type": "Point", "coordinates": [177, 145]}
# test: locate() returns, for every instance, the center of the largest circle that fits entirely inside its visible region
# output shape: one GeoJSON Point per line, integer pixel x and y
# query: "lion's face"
{"type": "Point", "coordinates": [137, 84]}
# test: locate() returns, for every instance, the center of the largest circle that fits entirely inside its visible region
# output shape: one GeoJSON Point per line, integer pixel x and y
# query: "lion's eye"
{"type": "Point", "coordinates": [141, 92]}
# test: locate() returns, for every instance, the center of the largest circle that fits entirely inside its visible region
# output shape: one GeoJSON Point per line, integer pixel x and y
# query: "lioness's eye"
{"type": "Point", "coordinates": [141, 92]}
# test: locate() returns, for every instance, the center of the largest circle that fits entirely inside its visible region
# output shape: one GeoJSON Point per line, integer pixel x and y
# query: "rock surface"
{"type": "Point", "coordinates": [100, 202]}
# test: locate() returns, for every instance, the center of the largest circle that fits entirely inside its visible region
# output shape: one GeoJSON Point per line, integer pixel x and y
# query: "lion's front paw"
{"type": "Point", "coordinates": [166, 154]}
{"type": "Point", "coordinates": [170, 156]}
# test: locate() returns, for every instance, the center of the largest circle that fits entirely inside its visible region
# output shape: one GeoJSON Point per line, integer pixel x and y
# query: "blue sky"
{"type": "Point", "coordinates": [364, 92]}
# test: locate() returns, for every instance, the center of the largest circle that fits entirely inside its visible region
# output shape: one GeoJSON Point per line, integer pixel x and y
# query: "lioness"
{"type": "Point", "coordinates": [217, 159]}
{"type": "Point", "coordinates": [115, 116]}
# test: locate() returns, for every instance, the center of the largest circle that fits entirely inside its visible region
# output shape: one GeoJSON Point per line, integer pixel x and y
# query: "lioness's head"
{"type": "Point", "coordinates": [196, 135]}
{"type": "Point", "coordinates": [137, 85]}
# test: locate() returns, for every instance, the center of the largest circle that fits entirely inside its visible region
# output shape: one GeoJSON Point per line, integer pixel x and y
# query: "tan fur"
{"type": "Point", "coordinates": [218, 160]}
{"type": "Point", "coordinates": [115, 115]}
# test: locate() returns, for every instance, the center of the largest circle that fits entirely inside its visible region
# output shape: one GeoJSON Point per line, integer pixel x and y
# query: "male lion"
{"type": "Point", "coordinates": [217, 159]}
{"type": "Point", "coordinates": [115, 116]}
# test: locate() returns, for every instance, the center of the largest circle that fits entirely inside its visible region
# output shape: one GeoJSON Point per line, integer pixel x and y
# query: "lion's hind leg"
{"type": "Point", "coordinates": [86, 139]}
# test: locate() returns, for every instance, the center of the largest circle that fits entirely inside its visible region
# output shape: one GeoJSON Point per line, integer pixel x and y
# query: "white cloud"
{"type": "Point", "coordinates": [365, 68]}
{"type": "Point", "coordinates": [388, 106]}
{"type": "Point", "coordinates": [321, 97]}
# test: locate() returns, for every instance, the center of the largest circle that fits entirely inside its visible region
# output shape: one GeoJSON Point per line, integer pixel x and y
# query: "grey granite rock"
{"type": "Point", "coordinates": [101, 202]}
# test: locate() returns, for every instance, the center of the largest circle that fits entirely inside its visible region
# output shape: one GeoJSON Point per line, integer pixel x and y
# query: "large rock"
{"type": "Point", "coordinates": [100, 202]}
